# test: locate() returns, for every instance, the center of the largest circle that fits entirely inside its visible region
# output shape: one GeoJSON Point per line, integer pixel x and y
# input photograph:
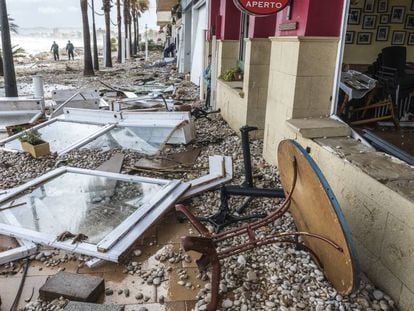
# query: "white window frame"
{"type": "Point", "coordinates": [338, 70]}
{"type": "Point", "coordinates": [25, 249]}
{"type": "Point", "coordinates": [182, 130]}
{"type": "Point", "coordinates": [113, 245]}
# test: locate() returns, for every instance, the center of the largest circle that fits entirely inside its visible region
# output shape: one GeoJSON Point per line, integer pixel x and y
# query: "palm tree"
{"type": "Point", "coordinates": [126, 19]}
{"type": "Point", "coordinates": [95, 43]}
{"type": "Point", "coordinates": [106, 6]}
{"type": "Point", "coordinates": [13, 28]}
{"type": "Point", "coordinates": [88, 64]}
{"type": "Point", "coordinates": [8, 64]}
{"type": "Point", "coordinates": [119, 20]}
{"type": "Point", "coordinates": [140, 6]}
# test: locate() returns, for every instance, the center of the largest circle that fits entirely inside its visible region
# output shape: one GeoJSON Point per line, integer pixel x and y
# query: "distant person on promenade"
{"type": "Point", "coordinates": [70, 48]}
{"type": "Point", "coordinates": [55, 50]}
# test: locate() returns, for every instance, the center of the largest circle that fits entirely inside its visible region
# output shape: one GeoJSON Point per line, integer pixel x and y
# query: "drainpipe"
{"type": "Point", "coordinates": [203, 65]}
{"type": "Point", "coordinates": [214, 71]}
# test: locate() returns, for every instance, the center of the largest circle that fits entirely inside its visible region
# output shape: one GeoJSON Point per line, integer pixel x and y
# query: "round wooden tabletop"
{"type": "Point", "coordinates": [315, 210]}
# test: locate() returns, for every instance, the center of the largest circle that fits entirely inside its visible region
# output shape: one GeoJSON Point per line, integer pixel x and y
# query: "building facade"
{"type": "Point", "coordinates": [291, 65]}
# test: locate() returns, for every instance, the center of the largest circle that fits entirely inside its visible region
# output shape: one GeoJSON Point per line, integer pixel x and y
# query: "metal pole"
{"type": "Point", "coordinates": [38, 90]}
{"type": "Point", "coordinates": [246, 154]}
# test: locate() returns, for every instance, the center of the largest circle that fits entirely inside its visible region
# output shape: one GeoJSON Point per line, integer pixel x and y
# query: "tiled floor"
{"type": "Point", "coordinates": [165, 235]}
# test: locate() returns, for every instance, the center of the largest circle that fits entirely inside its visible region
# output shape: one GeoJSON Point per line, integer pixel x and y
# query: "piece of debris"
{"type": "Point", "coordinates": [66, 235]}
{"type": "Point", "coordinates": [171, 161]}
{"type": "Point", "coordinates": [72, 286]}
{"type": "Point", "coordinates": [79, 238]}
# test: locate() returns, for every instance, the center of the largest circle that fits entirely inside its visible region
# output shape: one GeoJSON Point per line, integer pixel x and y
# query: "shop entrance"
{"type": "Point", "coordinates": [374, 89]}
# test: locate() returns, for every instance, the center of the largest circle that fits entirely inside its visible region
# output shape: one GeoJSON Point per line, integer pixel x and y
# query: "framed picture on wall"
{"type": "Point", "coordinates": [409, 22]}
{"type": "Point", "coordinates": [383, 33]}
{"type": "Point", "coordinates": [350, 37]}
{"type": "Point", "coordinates": [370, 22]}
{"type": "Point", "coordinates": [364, 38]}
{"type": "Point", "coordinates": [410, 39]}
{"type": "Point", "coordinates": [383, 6]}
{"type": "Point", "coordinates": [369, 6]}
{"type": "Point", "coordinates": [354, 16]}
{"type": "Point", "coordinates": [384, 19]}
{"type": "Point", "coordinates": [398, 38]}
{"type": "Point", "coordinates": [397, 14]}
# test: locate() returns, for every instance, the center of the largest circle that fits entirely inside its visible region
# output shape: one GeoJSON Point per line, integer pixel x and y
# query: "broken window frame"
{"type": "Point", "coordinates": [175, 125]}
{"type": "Point", "coordinates": [35, 115]}
{"type": "Point", "coordinates": [220, 172]}
{"type": "Point", "coordinates": [25, 249]}
{"type": "Point", "coordinates": [16, 106]}
{"type": "Point", "coordinates": [104, 128]}
{"type": "Point", "coordinates": [115, 243]}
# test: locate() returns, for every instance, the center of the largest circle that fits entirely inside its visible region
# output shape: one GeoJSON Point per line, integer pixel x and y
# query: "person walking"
{"type": "Point", "coordinates": [55, 50]}
{"type": "Point", "coordinates": [70, 48]}
{"type": "Point", "coordinates": [207, 78]}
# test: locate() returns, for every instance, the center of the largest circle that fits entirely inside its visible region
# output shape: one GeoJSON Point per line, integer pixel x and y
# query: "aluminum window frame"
{"type": "Point", "coordinates": [77, 144]}
{"type": "Point", "coordinates": [36, 116]}
{"type": "Point", "coordinates": [116, 242]}
{"type": "Point", "coordinates": [131, 120]}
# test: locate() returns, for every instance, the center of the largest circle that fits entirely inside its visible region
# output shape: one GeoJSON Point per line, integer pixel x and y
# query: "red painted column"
{"type": "Point", "coordinates": [229, 21]}
{"type": "Point", "coordinates": [262, 27]}
{"type": "Point", "coordinates": [319, 18]}
{"type": "Point", "coordinates": [213, 18]}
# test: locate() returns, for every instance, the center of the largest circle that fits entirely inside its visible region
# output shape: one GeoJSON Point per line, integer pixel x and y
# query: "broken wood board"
{"type": "Point", "coordinates": [113, 165]}
{"type": "Point", "coordinates": [171, 161]}
{"type": "Point", "coordinates": [221, 172]}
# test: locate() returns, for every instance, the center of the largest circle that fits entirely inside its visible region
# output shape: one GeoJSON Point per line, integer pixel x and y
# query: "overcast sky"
{"type": "Point", "coordinates": [63, 13]}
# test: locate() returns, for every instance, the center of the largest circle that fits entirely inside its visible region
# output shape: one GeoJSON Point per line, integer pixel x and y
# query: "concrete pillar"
{"type": "Point", "coordinates": [247, 103]}
{"type": "Point", "coordinates": [228, 54]}
{"type": "Point", "coordinates": [256, 78]}
{"type": "Point", "coordinates": [301, 75]}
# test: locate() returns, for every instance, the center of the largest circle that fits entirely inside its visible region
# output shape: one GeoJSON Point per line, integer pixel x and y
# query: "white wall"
{"type": "Point", "coordinates": [199, 23]}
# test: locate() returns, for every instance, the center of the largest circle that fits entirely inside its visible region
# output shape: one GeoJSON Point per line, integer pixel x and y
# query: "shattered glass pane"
{"type": "Point", "coordinates": [7, 120]}
{"type": "Point", "coordinates": [79, 203]}
{"type": "Point", "coordinates": [144, 140]}
{"type": "Point", "coordinates": [60, 135]}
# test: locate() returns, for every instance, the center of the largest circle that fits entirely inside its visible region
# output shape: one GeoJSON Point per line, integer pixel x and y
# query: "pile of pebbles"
{"type": "Point", "coordinates": [268, 278]}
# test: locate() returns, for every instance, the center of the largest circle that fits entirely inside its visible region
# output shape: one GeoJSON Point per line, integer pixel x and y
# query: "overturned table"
{"type": "Point", "coordinates": [321, 226]}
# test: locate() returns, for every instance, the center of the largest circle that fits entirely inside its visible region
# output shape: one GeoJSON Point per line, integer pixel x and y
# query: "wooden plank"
{"type": "Point", "coordinates": [113, 165]}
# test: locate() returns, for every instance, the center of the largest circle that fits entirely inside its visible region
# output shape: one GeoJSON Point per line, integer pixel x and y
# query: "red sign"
{"type": "Point", "coordinates": [261, 7]}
